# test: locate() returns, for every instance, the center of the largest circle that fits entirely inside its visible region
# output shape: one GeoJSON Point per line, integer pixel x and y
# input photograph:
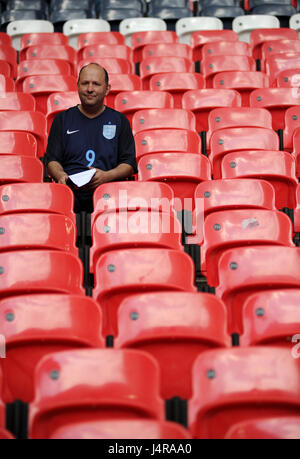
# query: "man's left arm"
{"type": "Point", "coordinates": [121, 172]}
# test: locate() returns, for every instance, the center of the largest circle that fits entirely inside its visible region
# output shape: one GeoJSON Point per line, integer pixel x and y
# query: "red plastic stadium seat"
{"type": "Point", "coordinates": [64, 52]}
{"type": "Point", "coordinates": [288, 78]}
{"type": "Point", "coordinates": [210, 66]}
{"type": "Point", "coordinates": [122, 273]}
{"type": "Point", "coordinates": [276, 100]}
{"type": "Point", "coordinates": [45, 38]}
{"type": "Point", "coordinates": [243, 82]}
{"type": "Point", "coordinates": [41, 86]}
{"type": "Point", "coordinates": [14, 143]}
{"type": "Point", "coordinates": [233, 385]}
{"type": "Point", "coordinates": [99, 51]}
{"type": "Point", "coordinates": [40, 271]}
{"type": "Point", "coordinates": [119, 196]}
{"type": "Point", "coordinates": [182, 171]}
{"type": "Point", "coordinates": [38, 231]}
{"type": "Point", "coordinates": [121, 82]}
{"type": "Point", "coordinates": [271, 318]}
{"type": "Point", "coordinates": [291, 123]}
{"type": "Point", "coordinates": [70, 389]}
{"type": "Point", "coordinates": [225, 48]}
{"type": "Point", "coordinates": [36, 325]}
{"type": "Point", "coordinates": [5, 69]}
{"type": "Point", "coordinates": [166, 64]}
{"type": "Point", "coordinates": [202, 101]}
{"type": "Point", "coordinates": [165, 140]}
{"type": "Point", "coordinates": [277, 47]}
{"type": "Point", "coordinates": [176, 84]}
{"type": "Point", "coordinates": [59, 101]}
{"type": "Point", "coordinates": [277, 167]}
{"type": "Point", "coordinates": [5, 39]}
{"type": "Point", "coordinates": [279, 62]}
{"type": "Point", "coordinates": [129, 102]}
{"type": "Point", "coordinates": [234, 228]}
{"type": "Point", "coordinates": [41, 67]}
{"type": "Point", "coordinates": [259, 36]}
{"type": "Point", "coordinates": [296, 150]}
{"type": "Point", "coordinates": [37, 197]}
{"type": "Point", "coordinates": [167, 49]}
{"type": "Point", "coordinates": [174, 327]}
{"type": "Point", "coordinates": [201, 37]}
{"type": "Point", "coordinates": [132, 229]}
{"type": "Point", "coordinates": [229, 117]}
{"type": "Point", "coordinates": [9, 54]}
{"type": "Point", "coordinates": [15, 168]}
{"type": "Point", "coordinates": [97, 38]}
{"type": "Point", "coordinates": [140, 39]}
{"type": "Point", "coordinates": [31, 122]}
{"type": "Point", "coordinates": [6, 84]}
{"type": "Point", "coordinates": [224, 141]}
{"type": "Point", "coordinates": [269, 428]}
{"type": "Point", "coordinates": [16, 101]}
{"type": "Point", "coordinates": [246, 270]}
{"type": "Point", "coordinates": [124, 429]}
{"type": "Point", "coordinates": [112, 65]}
{"type": "Point", "coordinates": [167, 118]}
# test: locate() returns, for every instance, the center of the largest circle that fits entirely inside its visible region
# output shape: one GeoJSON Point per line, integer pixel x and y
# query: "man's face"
{"type": "Point", "coordinates": [92, 88]}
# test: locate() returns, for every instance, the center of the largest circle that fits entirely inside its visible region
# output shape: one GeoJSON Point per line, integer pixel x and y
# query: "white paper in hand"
{"type": "Point", "coordinates": [82, 178]}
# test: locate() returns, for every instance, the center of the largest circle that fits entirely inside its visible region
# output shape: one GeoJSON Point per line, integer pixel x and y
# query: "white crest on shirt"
{"type": "Point", "coordinates": [109, 131]}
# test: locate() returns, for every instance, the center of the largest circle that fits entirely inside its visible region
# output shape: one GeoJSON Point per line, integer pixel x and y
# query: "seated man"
{"type": "Point", "coordinates": [91, 135]}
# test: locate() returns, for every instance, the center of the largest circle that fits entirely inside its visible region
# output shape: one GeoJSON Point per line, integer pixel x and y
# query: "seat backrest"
{"type": "Point", "coordinates": [20, 169]}
{"type": "Point", "coordinates": [166, 64]}
{"type": "Point", "coordinates": [72, 28]}
{"type": "Point", "coordinates": [94, 38]}
{"type": "Point", "coordinates": [129, 26]}
{"type": "Point", "coordinates": [278, 47]}
{"type": "Point", "coordinates": [15, 143]}
{"type": "Point", "coordinates": [184, 27]}
{"type": "Point", "coordinates": [36, 38]}
{"type": "Point", "coordinates": [16, 101]}
{"type": "Point", "coordinates": [41, 67]}
{"type": "Point", "coordinates": [244, 25]}
{"type": "Point", "coordinates": [15, 29]}
{"type": "Point", "coordinates": [163, 118]}
{"type": "Point", "coordinates": [200, 37]}
{"type": "Point", "coordinates": [272, 427]}
{"type": "Point", "coordinates": [221, 63]}
{"type": "Point", "coordinates": [112, 65]}
{"type": "Point", "coordinates": [259, 36]}
{"type": "Point", "coordinates": [150, 37]}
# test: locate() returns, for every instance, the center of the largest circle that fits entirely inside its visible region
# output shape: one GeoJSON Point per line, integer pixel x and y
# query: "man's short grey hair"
{"type": "Point", "coordinates": [95, 63]}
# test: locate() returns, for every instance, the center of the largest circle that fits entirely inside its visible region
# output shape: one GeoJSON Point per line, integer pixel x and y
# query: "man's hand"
{"type": "Point", "coordinates": [63, 178]}
{"type": "Point", "coordinates": [99, 178]}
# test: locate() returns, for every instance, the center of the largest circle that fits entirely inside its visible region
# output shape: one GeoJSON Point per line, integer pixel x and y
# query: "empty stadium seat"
{"type": "Point", "coordinates": [165, 118]}
{"type": "Point", "coordinates": [225, 48]}
{"type": "Point", "coordinates": [40, 271]}
{"type": "Point", "coordinates": [271, 318]}
{"type": "Point", "coordinates": [59, 101]}
{"type": "Point", "coordinates": [41, 86]}
{"type": "Point", "coordinates": [41, 67]}
{"type": "Point", "coordinates": [166, 140]}
{"type": "Point", "coordinates": [37, 38]}
{"type": "Point", "coordinates": [127, 387]}
{"type": "Point", "coordinates": [16, 29]}
{"type": "Point", "coordinates": [259, 36]}
{"type": "Point", "coordinates": [7, 84]}
{"type": "Point", "coordinates": [16, 101]}
{"type": "Point", "coordinates": [200, 37]}
{"type": "Point", "coordinates": [96, 38]}
{"type": "Point", "coordinates": [134, 229]}
{"type": "Point", "coordinates": [291, 123]}
{"type": "Point", "coordinates": [226, 140]}
{"type": "Point", "coordinates": [186, 26]}
{"type": "Point", "coordinates": [64, 52]}
{"type": "Point", "coordinates": [246, 270]}
{"type": "Point", "coordinates": [167, 49]}
{"type": "Point", "coordinates": [121, 82]}
{"type": "Point", "coordinates": [243, 82]}
{"type": "Point", "coordinates": [37, 197]}
{"type": "Point", "coordinates": [37, 231]}
{"type": "Point", "coordinates": [233, 385]}
{"type": "Point", "coordinates": [36, 325]}
{"type": "Point", "coordinates": [130, 26]}
{"type": "Point", "coordinates": [242, 227]}
{"type": "Point", "coordinates": [202, 101]}
{"type": "Point", "coordinates": [124, 429]}
{"type": "Point", "coordinates": [273, 427]}
{"type": "Point", "coordinates": [5, 68]}
{"type": "Point", "coordinates": [122, 273]}
{"type": "Point", "coordinates": [278, 167]}
{"type": "Point", "coordinates": [277, 47]}
{"type": "Point", "coordinates": [276, 63]}
{"type": "Point", "coordinates": [174, 327]}
{"type": "Point", "coordinates": [176, 84]}
{"type": "Point", "coordinates": [73, 28]}
{"type": "Point", "coordinates": [288, 79]}
{"type": "Point", "coordinates": [212, 65]}
{"type": "Point", "coordinates": [129, 102]}
{"type": "Point", "coordinates": [15, 143]}
{"type": "Point", "coordinates": [150, 37]}
{"type": "Point", "coordinates": [112, 65]}
{"type": "Point", "coordinates": [167, 64]}
{"type": "Point", "coordinates": [244, 25]}
{"type": "Point", "coordinates": [15, 168]}
{"type": "Point", "coordinates": [106, 50]}
{"type": "Point", "coordinates": [27, 121]}
{"type": "Point", "coordinates": [5, 39]}
{"type": "Point", "coordinates": [182, 171]}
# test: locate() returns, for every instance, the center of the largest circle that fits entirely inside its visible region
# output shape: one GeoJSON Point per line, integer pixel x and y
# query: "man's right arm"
{"type": "Point", "coordinates": [56, 171]}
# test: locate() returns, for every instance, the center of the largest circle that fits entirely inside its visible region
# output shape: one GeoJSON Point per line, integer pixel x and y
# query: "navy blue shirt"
{"type": "Point", "coordinates": [78, 142]}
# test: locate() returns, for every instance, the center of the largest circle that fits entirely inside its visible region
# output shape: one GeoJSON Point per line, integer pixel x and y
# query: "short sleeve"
{"type": "Point", "coordinates": [126, 147]}
{"type": "Point", "coordinates": [54, 150]}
